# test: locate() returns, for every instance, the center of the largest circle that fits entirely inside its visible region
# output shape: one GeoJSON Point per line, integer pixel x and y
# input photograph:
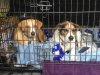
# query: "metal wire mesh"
{"type": "Point", "coordinates": [85, 13]}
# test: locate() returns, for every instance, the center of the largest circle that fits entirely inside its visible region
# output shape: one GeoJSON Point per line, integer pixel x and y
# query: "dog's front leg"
{"type": "Point", "coordinates": [73, 55]}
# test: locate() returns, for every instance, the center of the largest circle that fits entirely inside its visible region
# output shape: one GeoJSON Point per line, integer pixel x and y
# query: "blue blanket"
{"type": "Point", "coordinates": [29, 54]}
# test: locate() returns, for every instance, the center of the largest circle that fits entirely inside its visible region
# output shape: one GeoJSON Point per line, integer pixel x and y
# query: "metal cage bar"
{"type": "Point", "coordinates": [51, 13]}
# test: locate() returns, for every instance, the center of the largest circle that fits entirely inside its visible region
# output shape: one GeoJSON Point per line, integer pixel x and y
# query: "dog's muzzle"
{"type": "Point", "coordinates": [71, 38]}
{"type": "Point", "coordinates": [32, 33]}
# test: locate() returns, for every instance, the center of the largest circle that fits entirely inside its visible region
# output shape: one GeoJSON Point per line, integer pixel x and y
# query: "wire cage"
{"type": "Point", "coordinates": [42, 19]}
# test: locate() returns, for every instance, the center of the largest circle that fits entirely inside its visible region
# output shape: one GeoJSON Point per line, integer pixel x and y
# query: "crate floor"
{"type": "Point", "coordinates": [19, 73]}
{"type": "Point", "coordinates": [11, 70]}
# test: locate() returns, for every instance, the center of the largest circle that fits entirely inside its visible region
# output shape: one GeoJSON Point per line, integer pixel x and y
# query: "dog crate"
{"type": "Point", "coordinates": [85, 13]}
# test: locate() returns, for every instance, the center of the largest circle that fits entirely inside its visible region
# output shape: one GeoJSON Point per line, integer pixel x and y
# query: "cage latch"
{"type": "Point", "coordinates": [44, 5]}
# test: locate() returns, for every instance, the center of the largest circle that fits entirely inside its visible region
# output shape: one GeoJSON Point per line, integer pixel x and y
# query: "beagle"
{"type": "Point", "coordinates": [27, 30]}
{"type": "Point", "coordinates": [69, 36]}
{"type": "Point", "coordinates": [27, 36]}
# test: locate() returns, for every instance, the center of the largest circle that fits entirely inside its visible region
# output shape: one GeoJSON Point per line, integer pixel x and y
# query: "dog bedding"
{"type": "Point", "coordinates": [29, 54]}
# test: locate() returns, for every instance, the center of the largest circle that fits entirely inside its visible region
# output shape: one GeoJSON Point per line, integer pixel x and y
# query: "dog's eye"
{"type": "Point", "coordinates": [74, 30]}
{"type": "Point", "coordinates": [65, 30]}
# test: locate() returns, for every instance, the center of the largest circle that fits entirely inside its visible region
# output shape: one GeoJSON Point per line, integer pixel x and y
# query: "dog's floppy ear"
{"type": "Point", "coordinates": [76, 26]}
{"type": "Point", "coordinates": [38, 24]}
{"type": "Point", "coordinates": [41, 36]}
{"type": "Point", "coordinates": [22, 24]}
{"type": "Point", "coordinates": [78, 35]}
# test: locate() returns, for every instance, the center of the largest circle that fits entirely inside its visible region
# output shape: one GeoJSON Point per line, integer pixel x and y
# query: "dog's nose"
{"type": "Point", "coordinates": [71, 38]}
{"type": "Point", "coordinates": [32, 33]}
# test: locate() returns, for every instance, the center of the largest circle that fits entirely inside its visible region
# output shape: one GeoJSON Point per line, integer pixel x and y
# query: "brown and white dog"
{"type": "Point", "coordinates": [68, 35]}
{"type": "Point", "coordinates": [29, 29]}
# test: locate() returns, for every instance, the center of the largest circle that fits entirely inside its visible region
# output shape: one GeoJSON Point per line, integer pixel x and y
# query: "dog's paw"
{"type": "Point", "coordinates": [83, 49]}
